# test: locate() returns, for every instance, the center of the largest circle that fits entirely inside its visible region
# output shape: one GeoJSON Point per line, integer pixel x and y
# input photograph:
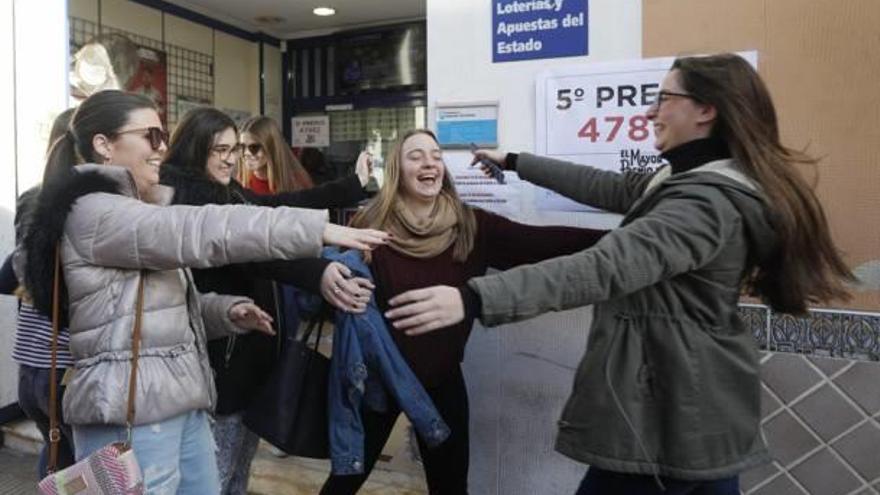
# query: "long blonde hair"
{"type": "Point", "coordinates": [284, 172]}
{"type": "Point", "coordinates": [376, 213]}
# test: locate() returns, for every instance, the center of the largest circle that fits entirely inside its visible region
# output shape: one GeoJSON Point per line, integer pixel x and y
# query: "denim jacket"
{"type": "Point", "coordinates": [366, 367]}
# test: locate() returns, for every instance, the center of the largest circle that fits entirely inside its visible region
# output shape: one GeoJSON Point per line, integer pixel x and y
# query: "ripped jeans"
{"type": "Point", "coordinates": [176, 455]}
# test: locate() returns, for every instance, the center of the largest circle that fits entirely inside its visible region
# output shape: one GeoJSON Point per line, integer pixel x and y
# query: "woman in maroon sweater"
{"type": "Point", "coordinates": [437, 239]}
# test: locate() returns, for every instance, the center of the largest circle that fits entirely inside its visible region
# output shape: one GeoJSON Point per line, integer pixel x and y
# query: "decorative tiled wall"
{"type": "Point", "coordinates": [820, 404]}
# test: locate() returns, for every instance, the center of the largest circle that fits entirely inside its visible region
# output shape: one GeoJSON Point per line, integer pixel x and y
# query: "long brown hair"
{"type": "Point", "coordinates": [377, 212]}
{"type": "Point", "coordinates": [284, 171]}
{"type": "Point", "coordinates": [807, 267]}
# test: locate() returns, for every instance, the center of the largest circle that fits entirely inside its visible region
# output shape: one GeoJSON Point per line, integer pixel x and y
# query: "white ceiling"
{"type": "Point", "coordinates": [299, 21]}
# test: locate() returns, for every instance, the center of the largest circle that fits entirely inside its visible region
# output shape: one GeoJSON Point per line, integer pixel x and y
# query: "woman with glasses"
{"type": "Point", "coordinates": [269, 165]}
{"type": "Point", "coordinates": [667, 397]}
{"type": "Point", "coordinates": [199, 166]}
{"type": "Point", "coordinates": [110, 224]}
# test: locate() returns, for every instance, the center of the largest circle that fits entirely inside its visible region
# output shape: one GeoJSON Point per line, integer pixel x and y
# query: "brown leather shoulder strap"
{"type": "Point", "coordinates": [54, 430]}
{"type": "Point", "coordinates": [135, 351]}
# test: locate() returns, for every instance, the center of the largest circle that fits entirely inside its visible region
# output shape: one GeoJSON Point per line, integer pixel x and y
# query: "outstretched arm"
{"type": "Point", "coordinates": [607, 190]}
{"type": "Point", "coordinates": [652, 248]}
{"type": "Point", "coordinates": [510, 244]}
{"type": "Point", "coordinates": [122, 232]}
{"type": "Point", "coordinates": [340, 193]}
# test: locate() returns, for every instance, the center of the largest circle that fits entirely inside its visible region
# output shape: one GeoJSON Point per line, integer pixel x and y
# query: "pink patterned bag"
{"type": "Point", "coordinates": [112, 469]}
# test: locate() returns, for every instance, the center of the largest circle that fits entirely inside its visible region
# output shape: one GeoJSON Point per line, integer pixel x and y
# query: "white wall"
{"type": "Point", "coordinates": [236, 73]}
{"type": "Point", "coordinates": [8, 373]}
{"type": "Point", "coordinates": [518, 375]}
{"type": "Point", "coordinates": [33, 90]}
{"type": "Point", "coordinates": [460, 69]}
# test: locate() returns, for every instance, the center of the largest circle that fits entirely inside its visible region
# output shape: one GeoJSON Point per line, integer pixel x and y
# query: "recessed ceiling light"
{"type": "Point", "coordinates": [324, 11]}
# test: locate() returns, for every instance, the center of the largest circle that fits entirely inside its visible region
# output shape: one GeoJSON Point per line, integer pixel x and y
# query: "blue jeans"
{"type": "Point", "coordinates": [33, 397]}
{"type": "Point", "coordinates": [176, 455]}
{"type": "Point", "coordinates": [601, 482]}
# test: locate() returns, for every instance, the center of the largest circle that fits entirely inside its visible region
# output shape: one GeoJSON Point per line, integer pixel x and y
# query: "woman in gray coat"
{"type": "Point", "coordinates": [113, 226]}
{"type": "Point", "coordinates": [668, 393]}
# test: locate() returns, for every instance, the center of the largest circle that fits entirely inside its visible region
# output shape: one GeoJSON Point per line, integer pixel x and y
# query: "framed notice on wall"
{"type": "Point", "coordinates": [458, 125]}
{"type": "Point", "coordinates": [595, 114]}
{"type": "Point", "coordinates": [310, 131]}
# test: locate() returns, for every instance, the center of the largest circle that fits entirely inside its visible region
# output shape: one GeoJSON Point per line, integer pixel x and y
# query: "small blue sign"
{"type": "Point", "coordinates": [459, 134]}
{"type": "Point", "coordinates": [460, 125]}
{"type": "Point", "coordinates": [533, 29]}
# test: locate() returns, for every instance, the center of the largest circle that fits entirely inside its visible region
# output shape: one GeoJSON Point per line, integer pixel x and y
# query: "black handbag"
{"type": "Point", "coordinates": [290, 410]}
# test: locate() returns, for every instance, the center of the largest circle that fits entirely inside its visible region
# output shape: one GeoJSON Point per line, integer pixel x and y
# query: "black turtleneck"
{"type": "Point", "coordinates": [694, 153]}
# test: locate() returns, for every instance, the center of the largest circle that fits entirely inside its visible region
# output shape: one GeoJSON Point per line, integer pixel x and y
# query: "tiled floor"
{"type": "Point", "coordinates": [18, 474]}
{"type": "Point", "coordinates": [822, 424]}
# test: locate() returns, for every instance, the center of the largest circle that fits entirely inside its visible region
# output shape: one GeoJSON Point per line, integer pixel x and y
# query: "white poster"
{"type": "Point", "coordinates": [476, 189]}
{"type": "Point", "coordinates": [595, 114]}
{"type": "Point", "coordinates": [311, 132]}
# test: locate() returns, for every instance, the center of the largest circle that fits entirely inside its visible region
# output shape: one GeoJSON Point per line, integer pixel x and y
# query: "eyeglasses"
{"type": "Point", "coordinates": [155, 135]}
{"type": "Point", "coordinates": [225, 152]}
{"type": "Point", "coordinates": [664, 95]}
{"type": "Point", "coordinates": [254, 148]}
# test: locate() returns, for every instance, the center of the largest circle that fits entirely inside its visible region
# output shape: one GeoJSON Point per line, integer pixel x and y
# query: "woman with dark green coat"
{"type": "Point", "coordinates": [667, 397]}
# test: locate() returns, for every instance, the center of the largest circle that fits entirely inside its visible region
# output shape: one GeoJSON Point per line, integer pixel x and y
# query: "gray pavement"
{"type": "Point", "coordinates": [18, 472]}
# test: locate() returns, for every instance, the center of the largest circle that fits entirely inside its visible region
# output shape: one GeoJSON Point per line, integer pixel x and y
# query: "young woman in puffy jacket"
{"type": "Point", "coordinates": [113, 224]}
{"type": "Point", "coordinates": [199, 165]}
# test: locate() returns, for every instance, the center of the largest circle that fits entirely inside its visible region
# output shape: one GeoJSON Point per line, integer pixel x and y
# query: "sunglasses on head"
{"type": "Point", "coordinates": [155, 135]}
{"type": "Point", "coordinates": [253, 148]}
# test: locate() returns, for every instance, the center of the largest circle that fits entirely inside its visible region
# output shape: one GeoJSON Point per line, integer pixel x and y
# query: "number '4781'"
{"type": "Point", "coordinates": [637, 128]}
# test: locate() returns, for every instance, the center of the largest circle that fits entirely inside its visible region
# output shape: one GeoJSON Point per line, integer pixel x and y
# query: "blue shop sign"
{"type": "Point", "coordinates": [533, 29]}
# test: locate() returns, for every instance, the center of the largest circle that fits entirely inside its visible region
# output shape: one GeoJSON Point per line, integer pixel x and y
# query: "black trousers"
{"type": "Point", "coordinates": [601, 482]}
{"type": "Point", "coordinates": [33, 397]}
{"type": "Point", "coordinates": [446, 466]}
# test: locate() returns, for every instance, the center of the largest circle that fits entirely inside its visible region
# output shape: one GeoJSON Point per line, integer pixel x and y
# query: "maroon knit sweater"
{"type": "Point", "coordinates": [499, 243]}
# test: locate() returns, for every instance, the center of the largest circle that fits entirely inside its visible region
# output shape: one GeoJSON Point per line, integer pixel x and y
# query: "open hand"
{"type": "Point", "coordinates": [363, 239]}
{"type": "Point", "coordinates": [343, 291]}
{"type": "Point", "coordinates": [426, 310]}
{"type": "Point", "coordinates": [249, 316]}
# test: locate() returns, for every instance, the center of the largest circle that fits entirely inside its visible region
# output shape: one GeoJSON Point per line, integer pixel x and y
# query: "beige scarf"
{"type": "Point", "coordinates": [424, 238]}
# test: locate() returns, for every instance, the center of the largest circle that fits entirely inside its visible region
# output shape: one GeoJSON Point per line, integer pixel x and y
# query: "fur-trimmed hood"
{"type": "Point", "coordinates": [46, 224]}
